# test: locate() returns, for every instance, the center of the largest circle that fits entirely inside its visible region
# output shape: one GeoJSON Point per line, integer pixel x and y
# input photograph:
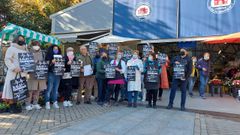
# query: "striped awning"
{"type": "Point", "coordinates": [12, 29]}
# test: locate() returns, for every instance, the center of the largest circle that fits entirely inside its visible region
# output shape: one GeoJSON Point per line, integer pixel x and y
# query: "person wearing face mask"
{"type": "Point", "coordinates": [35, 85]}
{"type": "Point", "coordinates": [101, 80]}
{"type": "Point", "coordinates": [152, 85]}
{"type": "Point", "coordinates": [116, 84]}
{"type": "Point", "coordinates": [193, 77]}
{"type": "Point", "coordinates": [53, 80]}
{"type": "Point", "coordinates": [181, 60]}
{"type": "Point", "coordinates": [67, 78]}
{"type": "Point", "coordinates": [134, 86]}
{"type": "Point", "coordinates": [12, 63]}
{"type": "Point", "coordinates": [204, 67]}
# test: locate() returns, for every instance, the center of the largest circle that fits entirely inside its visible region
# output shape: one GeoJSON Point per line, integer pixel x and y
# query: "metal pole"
{"type": "Point", "coordinates": [178, 18]}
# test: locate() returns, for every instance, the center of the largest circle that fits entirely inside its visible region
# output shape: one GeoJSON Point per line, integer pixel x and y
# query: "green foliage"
{"type": "Point", "coordinates": [32, 14]}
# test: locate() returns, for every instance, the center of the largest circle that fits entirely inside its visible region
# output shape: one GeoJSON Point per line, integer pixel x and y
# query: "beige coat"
{"type": "Point", "coordinates": [33, 83]}
{"type": "Point", "coordinates": [11, 61]}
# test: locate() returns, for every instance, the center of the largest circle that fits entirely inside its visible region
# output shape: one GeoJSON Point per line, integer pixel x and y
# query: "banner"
{"type": "Point", "coordinates": [209, 17]}
{"type": "Point", "coordinates": [145, 19]}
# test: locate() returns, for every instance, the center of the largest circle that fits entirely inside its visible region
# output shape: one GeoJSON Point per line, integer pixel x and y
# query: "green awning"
{"type": "Point", "coordinates": [12, 29]}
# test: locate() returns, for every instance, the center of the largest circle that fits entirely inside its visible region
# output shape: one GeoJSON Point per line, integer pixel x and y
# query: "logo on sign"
{"type": "Point", "coordinates": [220, 6]}
{"type": "Point", "coordinates": [142, 11]}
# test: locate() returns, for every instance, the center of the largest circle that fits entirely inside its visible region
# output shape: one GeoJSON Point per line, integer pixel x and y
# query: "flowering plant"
{"type": "Point", "coordinates": [236, 82]}
{"type": "Point", "coordinates": [216, 82]}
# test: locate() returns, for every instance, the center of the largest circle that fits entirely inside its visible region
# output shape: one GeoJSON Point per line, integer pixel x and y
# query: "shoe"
{"type": "Point", "coordinates": [100, 103]}
{"type": "Point", "coordinates": [149, 106]}
{"type": "Point", "coordinates": [129, 105]}
{"type": "Point", "coordinates": [37, 106]}
{"type": "Point", "coordinates": [69, 103]}
{"type": "Point", "coordinates": [65, 103]}
{"type": "Point", "coordinates": [154, 106]}
{"type": "Point", "coordinates": [183, 108]}
{"type": "Point", "coordinates": [106, 105]}
{"type": "Point", "coordinates": [203, 97]}
{"type": "Point", "coordinates": [55, 105]}
{"type": "Point", "coordinates": [121, 100]}
{"type": "Point", "coordinates": [78, 103]}
{"type": "Point", "coordinates": [115, 104]}
{"type": "Point", "coordinates": [135, 105]}
{"type": "Point", "coordinates": [191, 94]}
{"type": "Point", "coordinates": [47, 106]}
{"type": "Point", "coordinates": [88, 102]}
{"type": "Point", "coordinates": [29, 108]}
{"type": "Point", "coordinates": [169, 106]}
{"type": "Point", "coordinates": [160, 98]}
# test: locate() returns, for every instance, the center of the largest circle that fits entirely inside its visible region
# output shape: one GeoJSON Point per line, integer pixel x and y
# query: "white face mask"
{"type": "Point", "coordinates": [206, 57]}
{"type": "Point", "coordinates": [119, 56]}
{"type": "Point", "coordinates": [194, 60]}
{"type": "Point", "coordinates": [36, 48]}
{"type": "Point", "coordinates": [70, 53]}
{"type": "Point", "coordinates": [135, 56]}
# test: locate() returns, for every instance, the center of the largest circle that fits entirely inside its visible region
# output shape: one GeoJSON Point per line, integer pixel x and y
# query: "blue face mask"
{"type": "Point", "coordinates": [150, 58]}
{"type": "Point", "coordinates": [55, 51]}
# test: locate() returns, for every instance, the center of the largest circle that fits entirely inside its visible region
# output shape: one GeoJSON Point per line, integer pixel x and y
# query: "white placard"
{"type": "Point", "coordinates": [88, 70]}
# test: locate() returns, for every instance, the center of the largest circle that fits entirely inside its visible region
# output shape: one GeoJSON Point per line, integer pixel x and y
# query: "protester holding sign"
{"type": "Point", "coordinates": [34, 84]}
{"type": "Point", "coordinates": [67, 77]}
{"type": "Point", "coordinates": [53, 79]}
{"type": "Point", "coordinates": [182, 65]}
{"type": "Point", "coordinates": [86, 76]}
{"type": "Point", "coordinates": [12, 63]}
{"type": "Point", "coordinates": [101, 79]}
{"type": "Point", "coordinates": [164, 84]}
{"type": "Point", "coordinates": [116, 84]}
{"type": "Point", "coordinates": [134, 84]}
{"type": "Point", "coordinates": [152, 70]}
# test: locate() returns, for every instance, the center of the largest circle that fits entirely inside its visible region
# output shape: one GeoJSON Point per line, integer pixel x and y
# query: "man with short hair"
{"type": "Point", "coordinates": [86, 76]}
{"type": "Point", "coordinates": [182, 63]}
{"type": "Point", "coordinates": [204, 70]}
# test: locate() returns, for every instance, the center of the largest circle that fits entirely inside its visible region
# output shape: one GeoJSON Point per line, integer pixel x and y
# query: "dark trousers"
{"type": "Point", "coordinates": [113, 88]}
{"type": "Point", "coordinates": [183, 88]}
{"type": "Point", "coordinates": [132, 96]}
{"type": "Point", "coordinates": [102, 86]}
{"type": "Point", "coordinates": [160, 92]}
{"type": "Point", "coordinates": [67, 89]}
{"type": "Point", "coordinates": [152, 96]}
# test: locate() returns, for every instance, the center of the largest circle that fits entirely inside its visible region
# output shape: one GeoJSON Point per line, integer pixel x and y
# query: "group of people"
{"type": "Point", "coordinates": [150, 80]}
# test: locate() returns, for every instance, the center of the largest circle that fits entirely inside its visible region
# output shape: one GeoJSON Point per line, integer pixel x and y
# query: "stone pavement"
{"type": "Point", "coordinates": [38, 121]}
{"type": "Point", "coordinates": [135, 121]}
{"type": "Point", "coordinates": [226, 104]}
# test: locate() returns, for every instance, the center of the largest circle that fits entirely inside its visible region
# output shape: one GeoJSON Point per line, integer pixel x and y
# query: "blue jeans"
{"type": "Point", "coordinates": [132, 96]}
{"type": "Point", "coordinates": [191, 83]}
{"type": "Point", "coordinates": [124, 92]}
{"type": "Point", "coordinates": [183, 88]}
{"type": "Point", "coordinates": [52, 88]}
{"type": "Point", "coordinates": [102, 86]}
{"type": "Point", "coordinates": [203, 84]}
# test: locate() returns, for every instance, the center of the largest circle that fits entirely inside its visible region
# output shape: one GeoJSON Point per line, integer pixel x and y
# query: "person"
{"type": "Point", "coordinates": [180, 79]}
{"type": "Point", "coordinates": [116, 84]}
{"type": "Point", "coordinates": [151, 84]}
{"type": "Point", "coordinates": [193, 77]}
{"type": "Point", "coordinates": [204, 67]}
{"type": "Point", "coordinates": [53, 79]}
{"type": "Point", "coordinates": [12, 63]}
{"type": "Point", "coordinates": [35, 86]}
{"type": "Point", "coordinates": [101, 79]}
{"type": "Point", "coordinates": [134, 86]}
{"type": "Point", "coordinates": [86, 76]}
{"type": "Point", "coordinates": [164, 84]}
{"type": "Point", "coordinates": [67, 78]}
{"type": "Point", "coordinates": [96, 59]}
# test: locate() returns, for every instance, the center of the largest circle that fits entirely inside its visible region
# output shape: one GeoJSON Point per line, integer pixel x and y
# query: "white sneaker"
{"type": "Point", "coordinates": [65, 104]}
{"type": "Point", "coordinates": [37, 106]}
{"type": "Point", "coordinates": [29, 107]}
{"type": "Point", "coordinates": [69, 103]}
{"type": "Point", "coordinates": [47, 106]}
{"type": "Point", "coordinates": [55, 105]}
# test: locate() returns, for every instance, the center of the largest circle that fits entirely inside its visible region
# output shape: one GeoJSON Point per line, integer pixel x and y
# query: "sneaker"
{"type": "Point", "coordinates": [47, 106]}
{"type": "Point", "coordinates": [183, 108]}
{"type": "Point", "coordinates": [203, 97]}
{"type": "Point", "coordinates": [78, 103]}
{"type": "Point", "coordinates": [149, 106]}
{"type": "Point", "coordinates": [129, 105]}
{"type": "Point", "coordinates": [135, 105]}
{"type": "Point", "coordinates": [88, 102]}
{"type": "Point", "coordinates": [107, 105]}
{"type": "Point", "coordinates": [69, 103]}
{"type": "Point", "coordinates": [55, 105]}
{"type": "Point", "coordinates": [37, 106]}
{"type": "Point", "coordinates": [65, 103]}
{"type": "Point", "coordinates": [29, 108]}
{"type": "Point", "coordinates": [169, 106]}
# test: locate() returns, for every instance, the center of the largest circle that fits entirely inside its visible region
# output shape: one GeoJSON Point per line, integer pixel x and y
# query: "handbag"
{"type": "Point", "coordinates": [19, 88]}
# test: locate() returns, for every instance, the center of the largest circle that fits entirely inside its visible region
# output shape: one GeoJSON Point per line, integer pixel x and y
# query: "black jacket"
{"type": "Point", "coordinates": [187, 61]}
{"type": "Point", "coordinates": [49, 57]}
